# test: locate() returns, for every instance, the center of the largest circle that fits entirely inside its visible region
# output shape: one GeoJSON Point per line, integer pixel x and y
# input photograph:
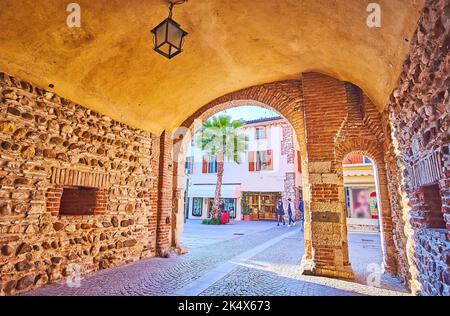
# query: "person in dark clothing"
{"type": "Point", "coordinates": [280, 213]}
{"type": "Point", "coordinates": [301, 209]}
{"type": "Point", "coordinates": [221, 207]}
{"type": "Point", "coordinates": [290, 212]}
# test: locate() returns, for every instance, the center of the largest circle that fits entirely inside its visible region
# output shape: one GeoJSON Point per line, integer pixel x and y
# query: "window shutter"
{"type": "Point", "coordinates": [205, 164]}
{"type": "Point", "coordinates": [251, 161]}
{"type": "Point", "coordinates": [269, 159]}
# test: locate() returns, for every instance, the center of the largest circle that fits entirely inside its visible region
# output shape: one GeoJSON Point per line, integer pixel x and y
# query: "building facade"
{"type": "Point", "coordinates": [361, 194]}
{"type": "Point", "coordinates": [269, 170]}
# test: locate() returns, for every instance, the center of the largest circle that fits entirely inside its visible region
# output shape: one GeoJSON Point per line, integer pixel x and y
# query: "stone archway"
{"type": "Point", "coordinates": [283, 97]}
{"type": "Point", "coordinates": [373, 150]}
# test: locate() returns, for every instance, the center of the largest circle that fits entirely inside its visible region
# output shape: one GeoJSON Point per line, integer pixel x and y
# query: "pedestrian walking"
{"type": "Point", "coordinates": [301, 209]}
{"type": "Point", "coordinates": [280, 213]}
{"type": "Point", "coordinates": [290, 211]}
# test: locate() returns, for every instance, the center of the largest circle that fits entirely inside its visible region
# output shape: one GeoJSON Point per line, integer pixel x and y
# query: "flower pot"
{"type": "Point", "coordinates": [247, 218]}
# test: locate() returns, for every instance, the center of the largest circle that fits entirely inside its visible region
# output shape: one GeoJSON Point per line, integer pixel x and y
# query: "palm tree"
{"type": "Point", "coordinates": [220, 137]}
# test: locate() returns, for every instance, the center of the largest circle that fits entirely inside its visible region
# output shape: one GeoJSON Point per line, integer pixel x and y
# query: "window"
{"type": "Point", "coordinates": [299, 162]}
{"type": "Point", "coordinates": [260, 133]}
{"type": "Point", "coordinates": [230, 205]}
{"type": "Point", "coordinates": [209, 164]}
{"type": "Point", "coordinates": [197, 207]}
{"type": "Point", "coordinates": [260, 160]}
{"type": "Point", "coordinates": [189, 165]}
{"type": "Point", "coordinates": [77, 201]}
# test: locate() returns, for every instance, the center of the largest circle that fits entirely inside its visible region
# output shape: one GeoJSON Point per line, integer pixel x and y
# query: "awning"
{"type": "Point", "coordinates": [209, 190]}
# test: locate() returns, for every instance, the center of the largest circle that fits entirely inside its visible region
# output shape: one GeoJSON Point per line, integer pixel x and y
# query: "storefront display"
{"type": "Point", "coordinates": [263, 205]}
{"type": "Point", "coordinates": [229, 205]}
{"type": "Point", "coordinates": [361, 202]}
{"type": "Point", "coordinates": [197, 209]}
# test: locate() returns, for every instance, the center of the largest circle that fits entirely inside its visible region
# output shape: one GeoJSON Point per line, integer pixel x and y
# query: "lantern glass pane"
{"type": "Point", "coordinates": [175, 35]}
{"type": "Point", "coordinates": [160, 36]}
{"type": "Point", "coordinates": [165, 48]}
{"type": "Point", "coordinates": [174, 50]}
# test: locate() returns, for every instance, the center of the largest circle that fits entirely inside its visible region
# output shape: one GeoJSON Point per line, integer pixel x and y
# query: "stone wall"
{"type": "Point", "coordinates": [288, 150]}
{"type": "Point", "coordinates": [47, 144]}
{"type": "Point", "coordinates": [419, 113]}
{"type": "Point", "coordinates": [287, 144]}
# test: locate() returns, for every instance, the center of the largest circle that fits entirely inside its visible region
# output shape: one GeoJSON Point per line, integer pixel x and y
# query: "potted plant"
{"type": "Point", "coordinates": [246, 211]}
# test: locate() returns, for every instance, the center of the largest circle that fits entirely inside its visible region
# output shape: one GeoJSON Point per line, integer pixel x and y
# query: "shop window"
{"type": "Point", "coordinates": [263, 205]}
{"type": "Point", "coordinates": [360, 203]}
{"type": "Point", "coordinates": [230, 206]}
{"type": "Point", "coordinates": [433, 204]}
{"type": "Point", "coordinates": [197, 207]}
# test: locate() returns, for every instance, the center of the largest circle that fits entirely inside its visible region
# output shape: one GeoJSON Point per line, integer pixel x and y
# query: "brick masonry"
{"type": "Point", "coordinates": [340, 119]}
{"type": "Point", "coordinates": [330, 119]}
{"type": "Point", "coordinates": [419, 119]}
{"type": "Point", "coordinates": [48, 144]}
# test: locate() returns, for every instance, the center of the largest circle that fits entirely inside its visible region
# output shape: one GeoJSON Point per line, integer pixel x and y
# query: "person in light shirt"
{"type": "Point", "coordinates": [290, 211]}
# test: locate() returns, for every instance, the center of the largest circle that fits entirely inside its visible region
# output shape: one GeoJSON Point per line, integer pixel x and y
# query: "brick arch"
{"type": "Point", "coordinates": [374, 150]}
{"type": "Point", "coordinates": [325, 114]}
{"type": "Point", "coordinates": [369, 148]}
{"type": "Point", "coordinates": [283, 97]}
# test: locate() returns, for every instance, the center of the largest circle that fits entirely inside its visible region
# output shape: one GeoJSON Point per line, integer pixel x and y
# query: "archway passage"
{"type": "Point", "coordinates": [327, 116]}
{"type": "Point", "coordinates": [281, 97]}
{"type": "Point", "coordinates": [53, 151]}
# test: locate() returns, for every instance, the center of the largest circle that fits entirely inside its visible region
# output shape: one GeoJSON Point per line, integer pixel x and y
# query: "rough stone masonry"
{"type": "Point", "coordinates": [49, 144]}
{"type": "Point", "coordinates": [419, 112]}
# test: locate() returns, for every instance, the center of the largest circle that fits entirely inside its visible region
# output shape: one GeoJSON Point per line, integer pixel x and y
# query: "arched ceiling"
{"type": "Point", "coordinates": [108, 64]}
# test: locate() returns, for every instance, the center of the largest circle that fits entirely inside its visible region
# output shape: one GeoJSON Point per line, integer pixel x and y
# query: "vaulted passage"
{"type": "Point", "coordinates": [101, 184]}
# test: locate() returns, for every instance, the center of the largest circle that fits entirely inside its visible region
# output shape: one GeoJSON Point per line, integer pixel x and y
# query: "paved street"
{"type": "Point", "coordinates": [245, 258]}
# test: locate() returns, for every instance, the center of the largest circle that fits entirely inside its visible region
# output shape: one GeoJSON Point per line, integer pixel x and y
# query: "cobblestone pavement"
{"type": "Point", "coordinates": [273, 271]}
{"type": "Point", "coordinates": [276, 272]}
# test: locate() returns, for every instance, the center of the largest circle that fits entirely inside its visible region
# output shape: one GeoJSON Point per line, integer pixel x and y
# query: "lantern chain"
{"type": "Point", "coordinates": [173, 3]}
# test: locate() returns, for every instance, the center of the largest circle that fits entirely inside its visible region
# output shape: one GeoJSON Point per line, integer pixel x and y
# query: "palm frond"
{"type": "Point", "coordinates": [221, 134]}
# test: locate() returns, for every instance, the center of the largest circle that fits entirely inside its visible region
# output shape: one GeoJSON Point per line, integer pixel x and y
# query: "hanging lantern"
{"type": "Point", "coordinates": [169, 36]}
